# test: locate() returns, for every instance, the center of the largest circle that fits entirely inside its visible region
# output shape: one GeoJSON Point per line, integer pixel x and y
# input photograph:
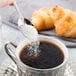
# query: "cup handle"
{"type": "Point", "coordinates": [9, 46]}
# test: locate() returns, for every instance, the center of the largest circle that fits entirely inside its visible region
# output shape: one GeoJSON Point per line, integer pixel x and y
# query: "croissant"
{"type": "Point", "coordinates": [42, 19]}
{"type": "Point", "coordinates": [58, 12]}
{"type": "Point", "coordinates": [66, 26]}
{"type": "Point", "coordinates": [63, 20]}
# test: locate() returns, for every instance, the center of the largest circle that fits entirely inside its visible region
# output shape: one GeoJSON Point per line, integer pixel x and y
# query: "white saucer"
{"type": "Point", "coordinates": [8, 69]}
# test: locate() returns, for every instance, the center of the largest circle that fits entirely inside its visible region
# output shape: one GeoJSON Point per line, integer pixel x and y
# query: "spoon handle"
{"type": "Point", "coordinates": [17, 9]}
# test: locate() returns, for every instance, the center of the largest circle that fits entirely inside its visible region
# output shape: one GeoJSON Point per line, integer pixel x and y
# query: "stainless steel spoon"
{"type": "Point", "coordinates": [28, 31]}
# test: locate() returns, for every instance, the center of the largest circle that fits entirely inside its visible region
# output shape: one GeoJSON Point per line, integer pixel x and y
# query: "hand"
{"type": "Point", "coordinates": [6, 2]}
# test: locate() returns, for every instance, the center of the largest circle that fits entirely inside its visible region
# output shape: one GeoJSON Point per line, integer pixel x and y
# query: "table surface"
{"type": "Point", "coordinates": [12, 34]}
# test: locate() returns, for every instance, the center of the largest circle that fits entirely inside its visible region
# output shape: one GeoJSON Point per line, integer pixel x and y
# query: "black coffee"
{"type": "Point", "coordinates": [50, 56]}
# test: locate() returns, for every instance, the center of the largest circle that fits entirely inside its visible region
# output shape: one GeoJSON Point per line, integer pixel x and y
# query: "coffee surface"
{"type": "Point", "coordinates": [50, 56]}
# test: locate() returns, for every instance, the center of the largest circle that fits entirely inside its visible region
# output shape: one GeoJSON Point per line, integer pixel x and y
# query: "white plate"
{"type": "Point", "coordinates": [8, 69]}
{"type": "Point", "coordinates": [70, 43]}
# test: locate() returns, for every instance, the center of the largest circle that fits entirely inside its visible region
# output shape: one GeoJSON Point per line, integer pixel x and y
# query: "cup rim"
{"type": "Point", "coordinates": [60, 45]}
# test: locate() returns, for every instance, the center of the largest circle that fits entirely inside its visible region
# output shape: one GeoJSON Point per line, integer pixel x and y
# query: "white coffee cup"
{"type": "Point", "coordinates": [25, 70]}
